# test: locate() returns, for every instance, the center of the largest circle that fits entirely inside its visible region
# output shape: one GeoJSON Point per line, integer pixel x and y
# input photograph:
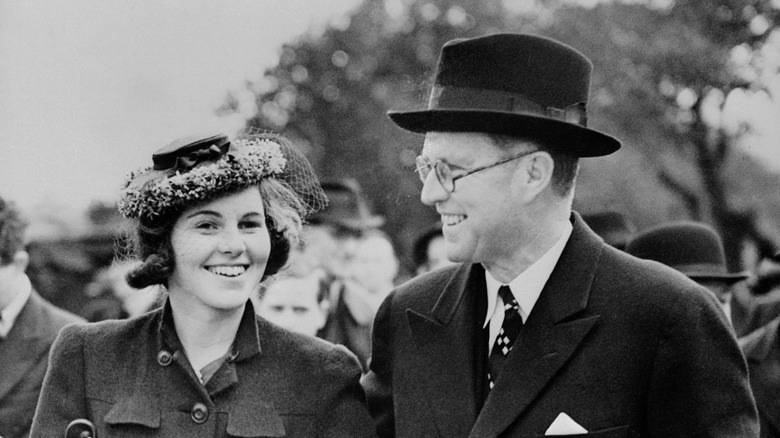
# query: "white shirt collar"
{"type": "Point", "coordinates": [527, 286]}
{"type": "Point", "coordinates": [14, 308]}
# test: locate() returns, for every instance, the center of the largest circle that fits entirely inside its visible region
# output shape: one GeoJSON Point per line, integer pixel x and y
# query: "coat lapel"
{"type": "Point", "coordinates": [445, 339]}
{"type": "Point", "coordinates": [550, 336]}
{"type": "Point", "coordinates": [26, 345]}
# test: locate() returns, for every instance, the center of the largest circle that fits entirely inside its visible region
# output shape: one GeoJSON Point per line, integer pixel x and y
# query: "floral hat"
{"type": "Point", "coordinates": [198, 168]}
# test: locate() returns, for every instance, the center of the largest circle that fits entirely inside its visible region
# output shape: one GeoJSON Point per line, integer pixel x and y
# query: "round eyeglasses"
{"type": "Point", "coordinates": [444, 173]}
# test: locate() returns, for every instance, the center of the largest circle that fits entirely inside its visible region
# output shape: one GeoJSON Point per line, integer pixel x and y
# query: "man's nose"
{"type": "Point", "coordinates": [433, 191]}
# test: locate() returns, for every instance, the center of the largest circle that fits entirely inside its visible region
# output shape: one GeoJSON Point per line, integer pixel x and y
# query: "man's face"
{"type": "Point", "coordinates": [292, 303]}
{"type": "Point", "coordinates": [483, 216]}
{"type": "Point", "coordinates": [9, 279]}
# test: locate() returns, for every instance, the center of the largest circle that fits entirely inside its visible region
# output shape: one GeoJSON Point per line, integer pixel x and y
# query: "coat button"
{"type": "Point", "coordinates": [164, 358]}
{"type": "Point", "coordinates": [199, 413]}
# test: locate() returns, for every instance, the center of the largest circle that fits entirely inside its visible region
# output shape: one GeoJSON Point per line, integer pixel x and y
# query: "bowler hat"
{"type": "Point", "coordinates": [693, 248]}
{"type": "Point", "coordinates": [512, 84]}
{"type": "Point", "coordinates": [347, 208]}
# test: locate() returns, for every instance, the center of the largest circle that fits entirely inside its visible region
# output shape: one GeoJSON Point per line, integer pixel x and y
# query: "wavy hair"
{"type": "Point", "coordinates": [150, 240]}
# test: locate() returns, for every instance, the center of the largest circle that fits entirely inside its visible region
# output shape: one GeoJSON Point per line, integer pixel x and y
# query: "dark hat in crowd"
{"type": "Point", "coordinates": [512, 84]}
{"type": "Point", "coordinates": [612, 226]}
{"type": "Point", "coordinates": [347, 208]}
{"type": "Point", "coordinates": [693, 248]}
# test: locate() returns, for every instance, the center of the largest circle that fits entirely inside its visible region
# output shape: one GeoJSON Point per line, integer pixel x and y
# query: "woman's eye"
{"type": "Point", "coordinates": [205, 226]}
{"type": "Point", "coordinates": [249, 225]}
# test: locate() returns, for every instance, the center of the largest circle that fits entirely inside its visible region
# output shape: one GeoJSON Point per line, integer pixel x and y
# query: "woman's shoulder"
{"type": "Point", "coordinates": [304, 350]}
{"type": "Point", "coordinates": [110, 332]}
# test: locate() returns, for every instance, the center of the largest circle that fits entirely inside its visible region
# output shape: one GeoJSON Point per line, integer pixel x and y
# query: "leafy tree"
{"type": "Point", "coordinates": [658, 67]}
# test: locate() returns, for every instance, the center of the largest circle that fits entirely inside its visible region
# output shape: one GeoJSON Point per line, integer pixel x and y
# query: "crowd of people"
{"type": "Point", "coordinates": [258, 300]}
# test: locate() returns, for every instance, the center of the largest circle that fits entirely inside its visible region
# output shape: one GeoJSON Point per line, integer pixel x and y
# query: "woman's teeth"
{"type": "Point", "coordinates": [227, 271]}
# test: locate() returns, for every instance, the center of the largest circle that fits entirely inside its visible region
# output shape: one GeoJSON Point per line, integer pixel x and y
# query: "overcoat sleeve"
{"type": "Point", "coordinates": [62, 397]}
{"type": "Point", "coordinates": [345, 414]}
{"type": "Point", "coordinates": [378, 382]}
{"type": "Point", "coordinates": [699, 384]}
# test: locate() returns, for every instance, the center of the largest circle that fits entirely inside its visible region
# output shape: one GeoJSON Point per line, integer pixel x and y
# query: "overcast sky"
{"type": "Point", "coordinates": [90, 88]}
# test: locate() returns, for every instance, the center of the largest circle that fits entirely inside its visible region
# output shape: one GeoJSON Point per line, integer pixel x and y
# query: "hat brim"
{"type": "Point", "coordinates": [589, 142]}
{"type": "Point", "coordinates": [729, 278]}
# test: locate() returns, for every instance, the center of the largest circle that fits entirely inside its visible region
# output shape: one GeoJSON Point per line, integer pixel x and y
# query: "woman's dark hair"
{"type": "Point", "coordinates": [151, 239]}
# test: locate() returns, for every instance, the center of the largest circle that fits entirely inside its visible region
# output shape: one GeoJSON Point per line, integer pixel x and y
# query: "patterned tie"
{"type": "Point", "coordinates": [513, 322]}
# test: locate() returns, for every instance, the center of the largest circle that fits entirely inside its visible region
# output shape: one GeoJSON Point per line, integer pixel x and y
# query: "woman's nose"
{"type": "Point", "coordinates": [232, 243]}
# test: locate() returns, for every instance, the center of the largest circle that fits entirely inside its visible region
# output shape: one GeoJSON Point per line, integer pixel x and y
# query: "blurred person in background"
{"type": "Point", "coordinates": [696, 250]}
{"type": "Point", "coordinates": [762, 351]}
{"type": "Point", "coordinates": [428, 251]}
{"type": "Point", "coordinates": [541, 329]}
{"type": "Point", "coordinates": [336, 234]}
{"type": "Point", "coordinates": [111, 297]}
{"type": "Point", "coordinates": [28, 326]}
{"type": "Point", "coordinates": [298, 303]}
{"type": "Point", "coordinates": [367, 277]}
{"type": "Point", "coordinates": [214, 217]}
{"type": "Point", "coordinates": [612, 226]}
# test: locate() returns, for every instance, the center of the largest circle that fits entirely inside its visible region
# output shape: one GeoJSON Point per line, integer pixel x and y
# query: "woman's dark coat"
{"type": "Point", "coordinates": [131, 378]}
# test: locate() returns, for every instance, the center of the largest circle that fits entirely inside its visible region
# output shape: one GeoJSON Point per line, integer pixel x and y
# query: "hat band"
{"type": "Point", "coordinates": [466, 98]}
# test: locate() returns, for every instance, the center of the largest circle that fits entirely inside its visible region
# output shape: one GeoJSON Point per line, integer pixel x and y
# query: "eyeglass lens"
{"type": "Point", "coordinates": [442, 170]}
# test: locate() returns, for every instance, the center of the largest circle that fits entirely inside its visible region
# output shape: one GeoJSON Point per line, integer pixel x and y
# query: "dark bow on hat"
{"type": "Point", "coordinates": [184, 154]}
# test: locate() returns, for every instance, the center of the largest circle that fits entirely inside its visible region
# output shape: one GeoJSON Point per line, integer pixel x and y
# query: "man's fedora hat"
{"type": "Point", "coordinates": [347, 208]}
{"type": "Point", "coordinates": [693, 248]}
{"type": "Point", "coordinates": [512, 84]}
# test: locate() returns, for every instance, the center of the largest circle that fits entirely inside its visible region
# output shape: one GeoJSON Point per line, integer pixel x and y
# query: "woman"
{"type": "Point", "coordinates": [213, 219]}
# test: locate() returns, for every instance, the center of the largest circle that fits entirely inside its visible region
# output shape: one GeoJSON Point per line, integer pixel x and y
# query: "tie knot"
{"type": "Point", "coordinates": [506, 295]}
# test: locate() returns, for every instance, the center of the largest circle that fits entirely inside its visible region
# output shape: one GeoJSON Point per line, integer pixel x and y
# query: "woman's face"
{"type": "Point", "coordinates": [220, 251]}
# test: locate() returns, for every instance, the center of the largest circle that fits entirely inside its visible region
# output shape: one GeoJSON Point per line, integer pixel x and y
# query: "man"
{"type": "Point", "coordinates": [696, 250]}
{"type": "Point", "coordinates": [296, 302]}
{"type": "Point", "coordinates": [593, 341]}
{"type": "Point", "coordinates": [345, 224]}
{"type": "Point", "coordinates": [762, 349]}
{"type": "Point", "coordinates": [28, 326]}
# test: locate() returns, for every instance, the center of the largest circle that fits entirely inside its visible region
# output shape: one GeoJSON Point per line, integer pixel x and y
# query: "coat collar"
{"type": "Point", "coordinates": [551, 335]}
{"type": "Point", "coordinates": [26, 345]}
{"type": "Point", "coordinates": [246, 344]}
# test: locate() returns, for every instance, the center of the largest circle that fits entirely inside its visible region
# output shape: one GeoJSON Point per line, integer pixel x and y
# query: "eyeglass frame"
{"type": "Point", "coordinates": [422, 162]}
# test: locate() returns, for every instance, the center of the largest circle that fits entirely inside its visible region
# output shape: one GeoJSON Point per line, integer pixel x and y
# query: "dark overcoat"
{"type": "Point", "coordinates": [762, 349]}
{"type": "Point", "coordinates": [24, 354]}
{"type": "Point", "coordinates": [624, 347]}
{"type": "Point", "coordinates": [131, 378]}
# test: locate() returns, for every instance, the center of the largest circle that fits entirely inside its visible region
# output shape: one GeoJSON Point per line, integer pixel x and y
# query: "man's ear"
{"type": "Point", "coordinates": [538, 170]}
{"type": "Point", "coordinates": [21, 260]}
